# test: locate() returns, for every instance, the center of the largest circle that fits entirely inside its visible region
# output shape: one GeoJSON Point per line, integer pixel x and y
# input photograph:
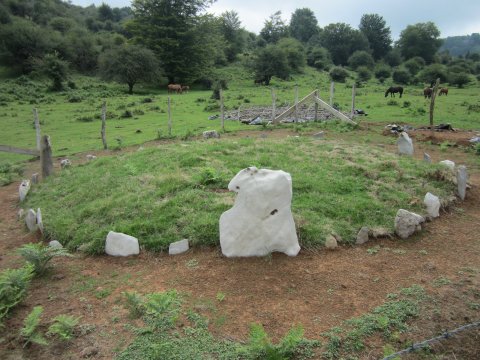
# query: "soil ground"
{"type": "Point", "coordinates": [318, 289]}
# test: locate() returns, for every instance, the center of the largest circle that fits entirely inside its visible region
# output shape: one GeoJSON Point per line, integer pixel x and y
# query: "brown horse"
{"type": "Point", "coordinates": [392, 90]}
{"type": "Point", "coordinates": [177, 88]}
{"type": "Point", "coordinates": [185, 88]}
{"type": "Point", "coordinates": [427, 92]}
{"type": "Point", "coordinates": [443, 91]}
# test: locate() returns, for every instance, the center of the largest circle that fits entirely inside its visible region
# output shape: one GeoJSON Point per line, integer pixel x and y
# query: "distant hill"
{"type": "Point", "coordinates": [461, 45]}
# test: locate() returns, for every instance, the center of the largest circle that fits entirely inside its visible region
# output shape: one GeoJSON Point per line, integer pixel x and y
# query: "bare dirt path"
{"type": "Point", "coordinates": [316, 289]}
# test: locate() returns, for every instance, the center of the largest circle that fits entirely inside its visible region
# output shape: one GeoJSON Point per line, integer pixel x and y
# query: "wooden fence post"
{"type": "Point", "coordinates": [317, 94]}
{"type": "Point", "coordinates": [46, 156]}
{"type": "Point", "coordinates": [332, 90]}
{"type": "Point", "coordinates": [37, 127]}
{"type": "Point", "coordinates": [222, 110]}
{"type": "Point", "coordinates": [104, 125]}
{"type": "Point", "coordinates": [273, 104]}
{"type": "Point", "coordinates": [296, 103]}
{"type": "Point", "coordinates": [353, 101]}
{"type": "Point", "coordinates": [432, 102]}
{"type": "Point", "coordinates": [169, 118]}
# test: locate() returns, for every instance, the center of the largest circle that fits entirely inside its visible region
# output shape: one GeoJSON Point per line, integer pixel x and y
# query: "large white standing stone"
{"type": "Point", "coordinates": [448, 163]}
{"type": "Point", "coordinates": [23, 189]}
{"type": "Point", "coordinates": [462, 181]}
{"type": "Point", "coordinates": [406, 223]}
{"type": "Point", "coordinates": [119, 244]}
{"type": "Point", "coordinates": [432, 203]}
{"type": "Point", "coordinates": [31, 220]}
{"type": "Point", "coordinates": [178, 247]}
{"type": "Point", "coordinates": [260, 221]}
{"type": "Point", "coordinates": [405, 144]}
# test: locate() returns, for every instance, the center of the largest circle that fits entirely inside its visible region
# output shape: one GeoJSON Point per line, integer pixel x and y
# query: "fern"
{"type": "Point", "coordinates": [40, 255]}
{"type": "Point", "coordinates": [13, 288]}
{"type": "Point", "coordinates": [135, 304]}
{"type": "Point", "coordinates": [63, 326]}
{"type": "Point", "coordinates": [29, 332]}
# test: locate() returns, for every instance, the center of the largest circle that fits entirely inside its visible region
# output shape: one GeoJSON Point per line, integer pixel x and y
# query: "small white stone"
{"type": "Point", "coordinates": [362, 236]}
{"type": "Point", "coordinates": [331, 242]}
{"type": "Point", "coordinates": [448, 163]}
{"type": "Point", "coordinates": [119, 244]}
{"type": "Point", "coordinates": [91, 157]}
{"type": "Point", "coordinates": [23, 189]}
{"type": "Point", "coordinates": [20, 214]}
{"type": "Point", "coordinates": [31, 220]}
{"type": "Point", "coordinates": [427, 158]}
{"type": "Point", "coordinates": [55, 244]}
{"type": "Point", "coordinates": [432, 203]}
{"type": "Point", "coordinates": [178, 247]}
{"type": "Point", "coordinates": [319, 135]}
{"type": "Point", "coordinates": [65, 163]}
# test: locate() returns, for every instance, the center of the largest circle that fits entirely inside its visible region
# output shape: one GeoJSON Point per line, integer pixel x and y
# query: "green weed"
{"type": "Point", "coordinates": [39, 255]}
{"type": "Point", "coordinates": [63, 327]}
{"type": "Point", "coordinates": [29, 331]}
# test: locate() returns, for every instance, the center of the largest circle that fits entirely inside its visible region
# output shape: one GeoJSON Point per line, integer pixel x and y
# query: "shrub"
{"type": "Point", "coordinates": [29, 332]}
{"type": "Point", "coordinates": [401, 76]}
{"type": "Point", "coordinates": [361, 58]}
{"type": "Point", "coordinates": [63, 326]}
{"type": "Point", "coordinates": [338, 73]}
{"type": "Point", "coordinates": [40, 255]}
{"type": "Point", "coordinates": [74, 98]}
{"type": "Point", "coordinates": [85, 118]}
{"type": "Point", "coordinates": [432, 73]}
{"type": "Point", "coordinates": [364, 74]}
{"type": "Point", "coordinates": [13, 287]}
{"type": "Point", "coordinates": [126, 114]}
{"type": "Point", "coordinates": [383, 72]}
{"type": "Point", "coordinates": [414, 65]}
{"type": "Point", "coordinates": [459, 79]}
{"type": "Point", "coordinates": [8, 172]}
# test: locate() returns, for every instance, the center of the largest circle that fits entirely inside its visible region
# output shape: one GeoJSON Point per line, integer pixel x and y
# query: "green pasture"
{"type": "Point", "coordinates": [72, 118]}
{"type": "Point", "coordinates": [174, 191]}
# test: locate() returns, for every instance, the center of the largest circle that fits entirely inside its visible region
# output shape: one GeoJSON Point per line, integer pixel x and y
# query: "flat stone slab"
{"type": "Point", "coordinates": [119, 244]}
{"type": "Point", "coordinates": [362, 236]}
{"type": "Point", "coordinates": [178, 247]}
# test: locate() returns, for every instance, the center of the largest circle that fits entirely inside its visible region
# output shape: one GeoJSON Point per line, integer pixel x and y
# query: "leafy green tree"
{"type": "Point", "coordinates": [61, 24]}
{"type": "Point", "coordinates": [373, 26]}
{"type": "Point", "coordinates": [432, 72]}
{"type": "Point", "coordinates": [393, 57]}
{"type": "Point", "coordinates": [414, 65]}
{"type": "Point", "coordinates": [341, 40]}
{"type": "Point", "coordinates": [233, 33]}
{"type": "Point", "coordinates": [80, 49]}
{"type": "Point", "coordinates": [338, 73]}
{"type": "Point", "coordinates": [54, 68]}
{"type": "Point", "coordinates": [295, 53]}
{"type": "Point", "coordinates": [364, 73]}
{"type": "Point", "coordinates": [173, 31]}
{"type": "Point", "coordinates": [274, 28]}
{"type": "Point", "coordinates": [421, 39]}
{"type": "Point", "coordinates": [271, 61]}
{"type": "Point", "coordinates": [129, 64]}
{"type": "Point", "coordinates": [105, 12]}
{"type": "Point", "coordinates": [402, 76]}
{"type": "Point", "coordinates": [382, 72]}
{"type": "Point", "coordinates": [361, 58]}
{"type": "Point", "coordinates": [303, 25]}
{"type": "Point", "coordinates": [458, 78]}
{"type": "Point", "coordinates": [319, 58]}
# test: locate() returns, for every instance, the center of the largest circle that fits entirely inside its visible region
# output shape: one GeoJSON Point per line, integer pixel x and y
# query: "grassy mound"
{"type": "Point", "coordinates": [175, 191]}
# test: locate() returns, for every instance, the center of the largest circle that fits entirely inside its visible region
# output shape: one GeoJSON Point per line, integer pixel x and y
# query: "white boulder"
{"type": "Point", "coordinates": [31, 220]}
{"type": "Point", "coordinates": [23, 189]}
{"type": "Point", "coordinates": [260, 221]}
{"type": "Point", "coordinates": [405, 144]}
{"type": "Point", "coordinates": [119, 244]}
{"type": "Point", "coordinates": [462, 177]}
{"type": "Point", "coordinates": [65, 163]}
{"type": "Point", "coordinates": [211, 134]}
{"type": "Point", "coordinates": [178, 247]}
{"type": "Point", "coordinates": [55, 244]}
{"type": "Point", "coordinates": [432, 203]}
{"type": "Point", "coordinates": [406, 223]}
{"type": "Point", "coordinates": [448, 163]}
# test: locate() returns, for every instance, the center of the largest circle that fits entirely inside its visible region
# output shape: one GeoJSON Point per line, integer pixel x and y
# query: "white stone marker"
{"type": "Point", "coordinates": [31, 220]}
{"type": "Point", "coordinates": [119, 244]}
{"type": "Point", "coordinates": [462, 181]}
{"type": "Point", "coordinates": [23, 189]}
{"type": "Point", "coordinates": [260, 221]}
{"type": "Point", "coordinates": [405, 144]}
{"type": "Point", "coordinates": [432, 203]}
{"type": "Point", "coordinates": [39, 220]}
{"type": "Point", "coordinates": [178, 247]}
{"type": "Point", "coordinates": [406, 223]}
{"type": "Point", "coordinates": [448, 163]}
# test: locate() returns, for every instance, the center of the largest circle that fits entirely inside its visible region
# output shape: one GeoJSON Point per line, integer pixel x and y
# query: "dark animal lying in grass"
{"type": "Point", "coordinates": [394, 89]}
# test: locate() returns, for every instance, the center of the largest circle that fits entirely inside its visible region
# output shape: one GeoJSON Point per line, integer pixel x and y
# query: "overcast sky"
{"type": "Point", "coordinates": [452, 17]}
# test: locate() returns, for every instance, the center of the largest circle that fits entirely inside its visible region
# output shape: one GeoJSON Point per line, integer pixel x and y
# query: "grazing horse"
{"type": "Point", "coordinates": [185, 88]}
{"type": "Point", "coordinates": [177, 88]}
{"type": "Point", "coordinates": [427, 92]}
{"type": "Point", "coordinates": [394, 89]}
{"type": "Point", "coordinates": [443, 91]}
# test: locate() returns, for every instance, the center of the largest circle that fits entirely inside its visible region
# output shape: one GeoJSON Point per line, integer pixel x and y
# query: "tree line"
{"type": "Point", "coordinates": [179, 41]}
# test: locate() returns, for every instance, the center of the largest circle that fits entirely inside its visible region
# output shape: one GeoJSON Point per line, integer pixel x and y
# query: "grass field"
{"type": "Point", "coordinates": [72, 118]}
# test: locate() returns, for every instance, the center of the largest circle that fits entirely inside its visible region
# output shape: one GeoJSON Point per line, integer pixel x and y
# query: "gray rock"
{"type": "Point", "coordinates": [119, 244]}
{"type": "Point", "coordinates": [55, 244]}
{"type": "Point", "coordinates": [405, 144]}
{"type": "Point", "coordinates": [178, 247]}
{"type": "Point", "coordinates": [380, 232]}
{"type": "Point", "coordinates": [448, 163]}
{"type": "Point", "coordinates": [91, 157]}
{"type": "Point", "coordinates": [362, 236]}
{"type": "Point", "coordinates": [462, 177]}
{"type": "Point", "coordinates": [211, 134]}
{"type": "Point", "coordinates": [31, 220]}
{"type": "Point", "coordinates": [39, 220]}
{"type": "Point", "coordinates": [319, 135]}
{"type": "Point", "coordinates": [65, 163]}
{"type": "Point", "coordinates": [427, 158]}
{"type": "Point", "coordinates": [406, 223]}
{"type": "Point", "coordinates": [331, 242]}
{"type": "Point", "coordinates": [432, 203]}
{"type": "Point", "coordinates": [23, 189]}
{"type": "Point", "coordinates": [35, 178]}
